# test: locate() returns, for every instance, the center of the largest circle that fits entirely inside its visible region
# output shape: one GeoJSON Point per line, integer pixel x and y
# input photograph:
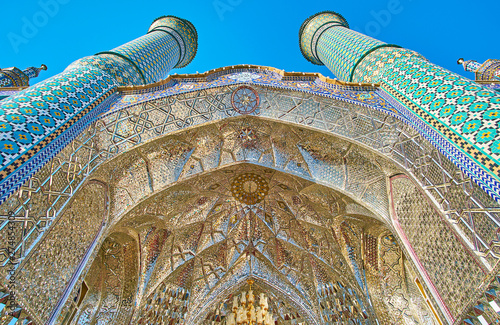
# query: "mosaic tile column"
{"type": "Point", "coordinates": [459, 116]}
{"type": "Point", "coordinates": [35, 124]}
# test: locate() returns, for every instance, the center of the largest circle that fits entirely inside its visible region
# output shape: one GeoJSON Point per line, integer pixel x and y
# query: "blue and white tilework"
{"type": "Point", "coordinates": [489, 70]}
{"type": "Point", "coordinates": [340, 49]}
{"type": "Point", "coordinates": [33, 72]}
{"type": "Point", "coordinates": [154, 54]}
{"type": "Point", "coordinates": [459, 111]}
{"type": "Point", "coordinates": [125, 73]}
{"type": "Point", "coordinates": [183, 32]}
{"type": "Point", "coordinates": [311, 30]}
{"type": "Point", "coordinates": [13, 77]}
{"type": "Point", "coordinates": [33, 120]}
{"type": "Point", "coordinates": [35, 124]}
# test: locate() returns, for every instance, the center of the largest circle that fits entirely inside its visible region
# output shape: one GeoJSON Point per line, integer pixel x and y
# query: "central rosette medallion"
{"type": "Point", "coordinates": [249, 188]}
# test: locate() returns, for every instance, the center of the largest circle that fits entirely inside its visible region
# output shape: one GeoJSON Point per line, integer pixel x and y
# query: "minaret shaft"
{"type": "Point", "coordinates": [38, 122]}
{"type": "Point", "coordinates": [344, 60]}
{"type": "Point", "coordinates": [444, 104]}
{"type": "Point", "coordinates": [35, 117]}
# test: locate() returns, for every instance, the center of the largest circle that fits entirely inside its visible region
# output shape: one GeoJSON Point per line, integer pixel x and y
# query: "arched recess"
{"type": "Point", "coordinates": [377, 256]}
{"type": "Point", "coordinates": [112, 283]}
{"type": "Point", "coordinates": [206, 234]}
{"type": "Point", "coordinates": [351, 132]}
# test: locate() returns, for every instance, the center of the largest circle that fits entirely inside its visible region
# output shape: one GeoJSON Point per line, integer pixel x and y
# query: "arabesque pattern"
{"type": "Point", "coordinates": [37, 123]}
{"type": "Point", "coordinates": [251, 139]}
{"type": "Point", "coordinates": [461, 113]}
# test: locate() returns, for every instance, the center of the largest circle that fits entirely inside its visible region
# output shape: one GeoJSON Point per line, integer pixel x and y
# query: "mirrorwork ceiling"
{"type": "Point", "coordinates": [290, 188]}
{"type": "Point", "coordinates": [210, 233]}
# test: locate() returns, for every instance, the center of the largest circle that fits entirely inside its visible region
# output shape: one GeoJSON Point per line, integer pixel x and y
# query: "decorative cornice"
{"type": "Point", "coordinates": [13, 88]}
{"type": "Point", "coordinates": [283, 73]}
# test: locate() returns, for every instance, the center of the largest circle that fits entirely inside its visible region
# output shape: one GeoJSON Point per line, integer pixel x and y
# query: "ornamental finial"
{"type": "Point", "coordinates": [469, 65]}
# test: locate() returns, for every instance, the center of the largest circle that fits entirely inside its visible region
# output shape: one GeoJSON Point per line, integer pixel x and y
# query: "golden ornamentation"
{"type": "Point", "coordinates": [249, 188]}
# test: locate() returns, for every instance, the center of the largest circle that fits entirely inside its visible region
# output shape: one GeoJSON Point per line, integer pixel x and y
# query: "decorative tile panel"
{"type": "Point", "coordinates": [451, 259]}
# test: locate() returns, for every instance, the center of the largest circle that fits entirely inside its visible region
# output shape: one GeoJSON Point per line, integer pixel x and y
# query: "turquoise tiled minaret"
{"type": "Point", "coordinates": [36, 123]}
{"type": "Point", "coordinates": [13, 77]}
{"type": "Point", "coordinates": [488, 71]}
{"type": "Point", "coordinates": [460, 117]}
{"type": "Point", "coordinates": [170, 43]}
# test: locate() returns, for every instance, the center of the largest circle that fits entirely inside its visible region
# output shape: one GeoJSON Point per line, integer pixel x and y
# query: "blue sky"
{"type": "Point", "coordinates": [263, 32]}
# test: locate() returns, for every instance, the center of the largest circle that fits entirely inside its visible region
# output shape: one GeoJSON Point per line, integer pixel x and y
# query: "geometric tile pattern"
{"type": "Point", "coordinates": [33, 72]}
{"type": "Point", "coordinates": [471, 211]}
{"type": "Point", "coordinates": [325, 39]}
{"type": "Point", "coordinates": [487, 74]}
{"type": "Point", "coordinates": [489, 70]}
{"type": "Point", "coordinates": [470, 65]}
{"type": "Point", "coordinates": [311, 30]}
{"type": "Point", "coordinates": [365, 96]}
{"type": "Point", "coordinates": [373, 65]}
{"type": "Point", "coordinates": [13, 77]}
{"type": "Point", "coordinates": [467, 109]}
{"type": "Point", "coordinates": [32, 120]}
{"type": "Point", "coordinates": [135, 123]}
{"type": "Point", "coordinates": [122, 70]}
{"type": "Point", "coordinates": [457, 109]}
{"type": "Point", "coordinates": [154, 54]}
{"type": "Point", "coordinates": [451, 258]}
{"type": "Point", "coordinates": [184, 33]}
{"type": "Point", "coordinates": [170, 42]}
{"type": "Point", "coordinates": [43, 196]}
{"type": "Point", "coordinates": [340, 49]}
{"type": "Point", "coordinates": [37, 123]}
